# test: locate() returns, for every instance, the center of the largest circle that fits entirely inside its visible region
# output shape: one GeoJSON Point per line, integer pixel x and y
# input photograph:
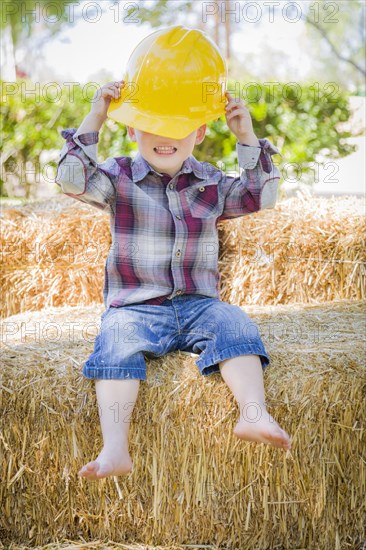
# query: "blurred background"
{"type": "Point", "coordinates": [298, 66]}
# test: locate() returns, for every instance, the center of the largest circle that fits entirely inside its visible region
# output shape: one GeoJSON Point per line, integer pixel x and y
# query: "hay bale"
{"type": "Point", "coordinates": [308, 250]}
{"type": "Point", "coordinates": [107, 545]}
{"type": "Point", "coordinates": [305, 250]}
{"type": "Point", "coordinates": [53, 254]}
{"type": "Point", "coordinates": [193, 481]}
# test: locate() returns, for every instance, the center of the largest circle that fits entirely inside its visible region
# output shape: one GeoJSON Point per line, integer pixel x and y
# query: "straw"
{"type": "Point", "coordinates": [193, 482]}
{"type": "Point", "coordinates": [305, 250]}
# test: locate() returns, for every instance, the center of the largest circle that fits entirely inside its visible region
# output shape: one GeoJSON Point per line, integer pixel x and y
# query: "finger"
{"type": "Point", "coordinates": [236, 109]}
{"type": "Point", "coordinates": [235, 102]}
{"type": "Point", "coordinates": [111, 93]}
{"type": "Point", "coordinates": [231, 115]}
{"type": "Point", "coordinates": [236, 106]}
{"type": "Point", "coordinates": [230, 106]}
{"type": "Point", "coordinates": [120, 84]}
{"type": "Point", "coordinates": [234, 113]}
{"type": "Point", "coordinates": [117, 89]}
{"type": "Point", "coordinates": [232, 99]}
{"type": "Point", "coordinates": [113, 88]}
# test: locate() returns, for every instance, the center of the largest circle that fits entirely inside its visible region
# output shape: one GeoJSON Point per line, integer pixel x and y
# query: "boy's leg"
{"type": "Point", "coordinates": [116, 352]}
{"type": "Point", "coordinates": [244, 376]}
{"type": "Point", "coordinates": [116, 400]}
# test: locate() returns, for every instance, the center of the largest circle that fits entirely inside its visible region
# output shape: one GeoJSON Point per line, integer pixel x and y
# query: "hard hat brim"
{"type": "Point", "coordinates": [160, 125]}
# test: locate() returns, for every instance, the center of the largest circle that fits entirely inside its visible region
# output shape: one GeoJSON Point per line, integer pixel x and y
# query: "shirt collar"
{"type": "Point", "coordinates": [140, 168]}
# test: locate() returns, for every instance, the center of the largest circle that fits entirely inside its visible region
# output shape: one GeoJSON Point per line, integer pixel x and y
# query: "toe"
{"type": "Point", "coordinates": [285, 440]}
{"type": "Point", "coordinates": [103, 471]}
{"type": "Point", "coordinates": [92, 466]}
{"type": "Point", "coordinates": [89, 470]}
{"type": "Point", "coordinates": [277, 438]}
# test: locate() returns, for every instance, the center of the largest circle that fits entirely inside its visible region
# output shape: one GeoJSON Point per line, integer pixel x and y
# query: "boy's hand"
{"type": "Point", "coordinates": [103, 96]}
{"type": "Point", "coordinates": [238, 119]}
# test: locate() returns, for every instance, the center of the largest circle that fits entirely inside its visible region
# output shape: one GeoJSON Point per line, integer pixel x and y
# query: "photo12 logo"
{"type": "Point", "coordinates": [50, 13]}
{"type": "Point", "coordinates": [253, 12]}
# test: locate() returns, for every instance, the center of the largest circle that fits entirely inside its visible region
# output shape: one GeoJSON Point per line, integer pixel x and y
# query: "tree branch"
{"type": "Point", "coordinates": [333, 48]}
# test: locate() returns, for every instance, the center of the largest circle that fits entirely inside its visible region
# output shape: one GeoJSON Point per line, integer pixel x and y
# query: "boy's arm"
{"type": "Point", "coordinates": [78, 173]}
{"type": "Point", "coordinates": [80, 176]}
{"type": "Point", "coordinates": [257, 186]}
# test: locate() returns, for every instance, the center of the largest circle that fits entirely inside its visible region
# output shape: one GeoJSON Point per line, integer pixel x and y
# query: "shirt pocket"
{"type": "Point", "coordinates": [203, 200]}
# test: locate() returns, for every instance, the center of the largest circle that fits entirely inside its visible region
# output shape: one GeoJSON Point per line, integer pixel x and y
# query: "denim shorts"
{"type": "Point", "coordinates": [208, 327]}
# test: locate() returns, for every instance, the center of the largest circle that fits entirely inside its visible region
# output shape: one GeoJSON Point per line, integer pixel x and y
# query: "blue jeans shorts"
{"type": "Point", "coordinates": [208, 327]}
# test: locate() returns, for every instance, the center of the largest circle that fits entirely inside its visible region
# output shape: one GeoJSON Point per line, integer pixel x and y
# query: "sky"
{"type": "Point", "coordinates": [89, 46]}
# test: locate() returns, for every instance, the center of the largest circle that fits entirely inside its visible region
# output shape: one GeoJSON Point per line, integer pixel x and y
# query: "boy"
{"type": "Point", "coordinates": [161, 280]}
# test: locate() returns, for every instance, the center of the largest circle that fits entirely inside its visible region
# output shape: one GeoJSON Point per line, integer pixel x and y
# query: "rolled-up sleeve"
{"type": "Point", "coordinates": [80, 176]}
{"type": "Point", "coordinates": [256, 187]}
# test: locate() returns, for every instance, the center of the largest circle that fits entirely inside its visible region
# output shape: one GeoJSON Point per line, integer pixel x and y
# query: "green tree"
{"type": "Point", "coordinates": [301, 122]}
{"type": "Point", "coordinates": [32, 23]}
{"type": "Point", "coordinates": [24, 16]}
{"type": "Point", "coordinates": [337, 32]}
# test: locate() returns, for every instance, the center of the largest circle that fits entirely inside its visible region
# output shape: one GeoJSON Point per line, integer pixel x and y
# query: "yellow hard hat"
{"type": "Point", "coordinates": [175, 81]}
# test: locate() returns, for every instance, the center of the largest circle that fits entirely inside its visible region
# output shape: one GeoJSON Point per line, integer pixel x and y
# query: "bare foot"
{"type": "Point", "coordinates": [112, 461]}
{"type": "Point", "coordinates": [263, 429]}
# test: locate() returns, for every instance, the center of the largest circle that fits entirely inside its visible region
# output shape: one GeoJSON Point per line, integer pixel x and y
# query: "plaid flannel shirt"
{"type": "Point", "coordinates": [164, 230]}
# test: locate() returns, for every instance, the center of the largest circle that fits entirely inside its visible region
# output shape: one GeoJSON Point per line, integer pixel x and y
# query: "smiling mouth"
{"type": "Point", "coordinates": [165, 151]}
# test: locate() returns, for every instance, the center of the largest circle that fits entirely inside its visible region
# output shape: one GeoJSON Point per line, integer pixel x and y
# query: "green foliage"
{"type": "Point", "coordinates": [300, 121]}
{"type": "Point", "coordinates": [32, 124]}
{"type": "Point", "coordinates": [22, 16]}
{"type": "Point", "coordinates": [160, 12]}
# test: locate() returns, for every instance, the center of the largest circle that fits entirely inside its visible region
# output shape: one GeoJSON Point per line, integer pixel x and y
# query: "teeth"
{"type": "Point", "coordinates": [165, 148]}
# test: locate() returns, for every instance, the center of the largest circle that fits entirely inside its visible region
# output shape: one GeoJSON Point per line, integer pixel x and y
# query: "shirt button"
{"type": "Point", "coordinates": [178, 217]}
{"type": "Point", "coordinates": [171, 186]}
{"type": "Point", "coordinates": [201, 189]}
{"type": "Point", "coordinates": [178, 253]}
{"type": "Point", "coordinates": [179, 292]}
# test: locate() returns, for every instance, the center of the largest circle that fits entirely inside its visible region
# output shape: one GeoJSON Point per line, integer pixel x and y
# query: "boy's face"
{"type": "Point", "coordinates": [166, 154]}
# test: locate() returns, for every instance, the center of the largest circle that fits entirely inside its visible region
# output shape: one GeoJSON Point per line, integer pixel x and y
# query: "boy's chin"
{"type": "Point", "coordinates": [166, 161]}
